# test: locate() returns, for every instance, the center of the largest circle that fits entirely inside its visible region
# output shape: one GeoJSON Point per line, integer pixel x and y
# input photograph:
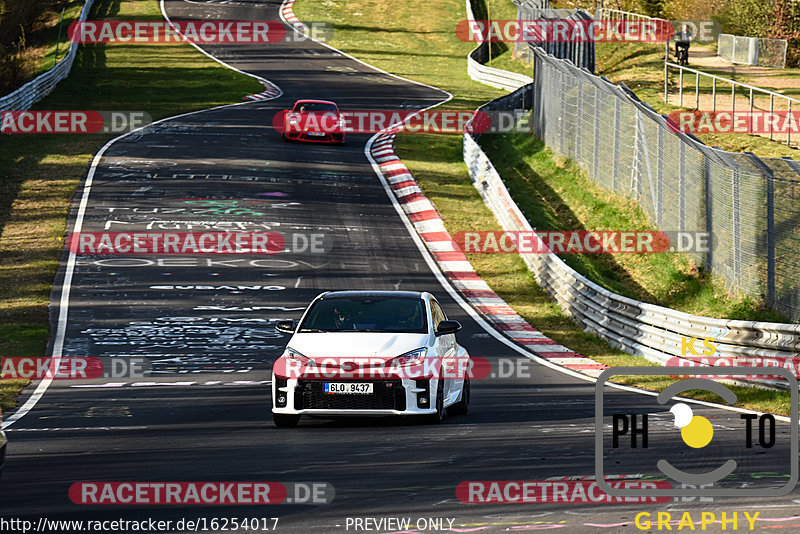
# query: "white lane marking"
{"type": "Point", "coordinates": [63, 311]}
{"type": "Point", "coordinates": [173, 384]}
{"type": "Point", "coordinates": [77, 428]}
{"type": "Point", "coordinates": [297, 284]}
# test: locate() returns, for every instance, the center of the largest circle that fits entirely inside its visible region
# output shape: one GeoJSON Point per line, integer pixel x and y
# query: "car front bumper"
{"type": "Point", "coordinates": [390, 397]}
{"type": "Point", "coordinates": [335, 137]}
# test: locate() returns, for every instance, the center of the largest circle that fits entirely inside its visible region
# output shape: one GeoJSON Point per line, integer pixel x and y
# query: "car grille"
{"type": "Point", "coordinates": [386, 395]}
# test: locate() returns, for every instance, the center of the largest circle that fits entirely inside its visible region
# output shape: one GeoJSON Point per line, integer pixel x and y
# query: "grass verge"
{"type": "Point", "coordinates": [39, 173]}
{"type": "Point", "coordinates": [422, 46]}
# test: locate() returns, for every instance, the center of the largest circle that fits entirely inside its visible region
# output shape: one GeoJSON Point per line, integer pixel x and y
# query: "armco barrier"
{"type": "Point", "coordinates": [41, 86]}
{"type": "Point", "coordinates": [501, 79]}
{"type": "Point", "coordinates": [656, 333]}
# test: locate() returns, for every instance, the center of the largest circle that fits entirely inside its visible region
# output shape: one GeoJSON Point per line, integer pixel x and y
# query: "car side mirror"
{"type": "Point", "coordinates": [448, 327]}
{"type": "Point", "coordinates": [286, 327]}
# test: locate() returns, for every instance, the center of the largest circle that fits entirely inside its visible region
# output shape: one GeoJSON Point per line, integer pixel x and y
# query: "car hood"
{"type": "Point", "coordinates": [317, 345]}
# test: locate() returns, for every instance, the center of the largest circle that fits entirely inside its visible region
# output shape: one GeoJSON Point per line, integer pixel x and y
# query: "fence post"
{"type": "Point", "coordinates": [709, 197]}
{"type": "Point", "coordinates": [58, 40]}
{"type": "Point", "coordinates": [771, 108]}
{"type": "Point", "coordinates": [660, 176]}
{"type": "Point", "coordinates": [680, 88]}
{"type": "Point", "coordinates": [682, 187]}
{"type": "Point", "coordinates": [714, 94]}
{"type": "Point", "coordinates": [579, 121]}
{"type": "Point", "coordinates": [769, 178]}
{"type": "Point", "coordinates": [596, 155]}
{"type": "Point", "coordinates": [615, 155]}
{"type": "Point", "coordinates": [562, 119]}
{"type": "Point", "coordinates": [789, 130]}
{"type": "Point", "coordinates": [697, 90]}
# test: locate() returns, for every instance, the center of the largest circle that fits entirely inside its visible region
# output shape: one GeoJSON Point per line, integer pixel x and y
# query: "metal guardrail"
{"type": "Point", "coordinates": [753, 102]}
{"type": "Point", "coordinates": [653, 332]}
{"type": "Point", "coordinates": [36, 89]}
{"type": "Point", "coordinates": [477, 71]}
{"type": "Point", "coordinates": [624, 16]}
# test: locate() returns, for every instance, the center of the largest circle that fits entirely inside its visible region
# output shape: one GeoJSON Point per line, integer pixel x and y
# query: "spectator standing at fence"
{"type": "Point", "coordinates": [682, 40]}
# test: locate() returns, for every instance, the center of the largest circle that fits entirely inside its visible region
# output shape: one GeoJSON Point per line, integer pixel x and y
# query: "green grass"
{"type": "Point", "coordinates": [555, 194]}
{"type": "Point", "coordinates": [48, 36]}
{"type": "Point", "coordinates": [404, 40]}
{"type": "Point", "coordinates": [39, 173]}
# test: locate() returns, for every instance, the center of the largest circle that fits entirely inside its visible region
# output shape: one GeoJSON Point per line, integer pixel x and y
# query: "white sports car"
{"type": "Point", "coordinates": [371, 353]}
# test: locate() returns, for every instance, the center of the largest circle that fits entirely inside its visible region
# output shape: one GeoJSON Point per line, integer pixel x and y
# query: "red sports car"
{"type": "Point", "coordinates": [317, 121]}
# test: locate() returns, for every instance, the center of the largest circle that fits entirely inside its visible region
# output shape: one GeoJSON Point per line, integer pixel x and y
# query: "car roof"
{"type": "Point", "coordinates": [315, 102]}
{"type": "Point", "coordinates": [367, 294]}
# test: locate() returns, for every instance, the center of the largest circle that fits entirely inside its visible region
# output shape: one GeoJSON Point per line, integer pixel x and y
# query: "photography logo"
{"type": "Point", "coordinates": [710, 455]}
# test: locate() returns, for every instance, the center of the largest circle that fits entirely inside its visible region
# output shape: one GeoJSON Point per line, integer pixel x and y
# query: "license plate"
{"type": "Point", "coordinates": [316, 134]}
{"type": "Point", "coordinates": [348, 388]}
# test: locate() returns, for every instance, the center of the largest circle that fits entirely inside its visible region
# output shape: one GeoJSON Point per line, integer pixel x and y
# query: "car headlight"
{"type": "Point", "coordinates": [293, 121]}
{"type": "Point", "coordinates": [414, 357]}
{"type": "Point", "coordinates": [293, 355]}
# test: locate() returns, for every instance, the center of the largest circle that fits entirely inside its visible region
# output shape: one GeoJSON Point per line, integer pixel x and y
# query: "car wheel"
{"type": "Point", "coordinates": [438, 417]}
{"type": "Point", "coordinates": [282, 420]}
{"type": "Point", "coordinates": [462, 406]}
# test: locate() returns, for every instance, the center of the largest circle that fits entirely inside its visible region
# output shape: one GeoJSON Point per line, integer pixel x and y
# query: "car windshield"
{"type": "Point", "coordinates": [366, 314]}
{"type": "Point", "coordinates": [305, 107]}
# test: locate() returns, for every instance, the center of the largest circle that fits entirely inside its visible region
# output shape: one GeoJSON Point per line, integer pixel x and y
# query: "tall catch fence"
{"type": "Point", "coordinates": [654, 332]}
{"type": "Point", "coordinates": [750, 205]}
{"type": "Point", "coordinates": [580, 52]}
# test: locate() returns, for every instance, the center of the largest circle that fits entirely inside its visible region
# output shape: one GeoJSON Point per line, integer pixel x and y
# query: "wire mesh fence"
{"type": "Point", "coordinates": [580, 52]}
{"type": "Point", "coordinates": [750, 205]}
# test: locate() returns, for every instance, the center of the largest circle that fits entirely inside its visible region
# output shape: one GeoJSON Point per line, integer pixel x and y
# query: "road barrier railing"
{"type": "Point", "coordinates": [41, 86]}
{"type": "Point", "coordinates": [477, 71]}
{"type": "Point", "coordinates": [656, 333]}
